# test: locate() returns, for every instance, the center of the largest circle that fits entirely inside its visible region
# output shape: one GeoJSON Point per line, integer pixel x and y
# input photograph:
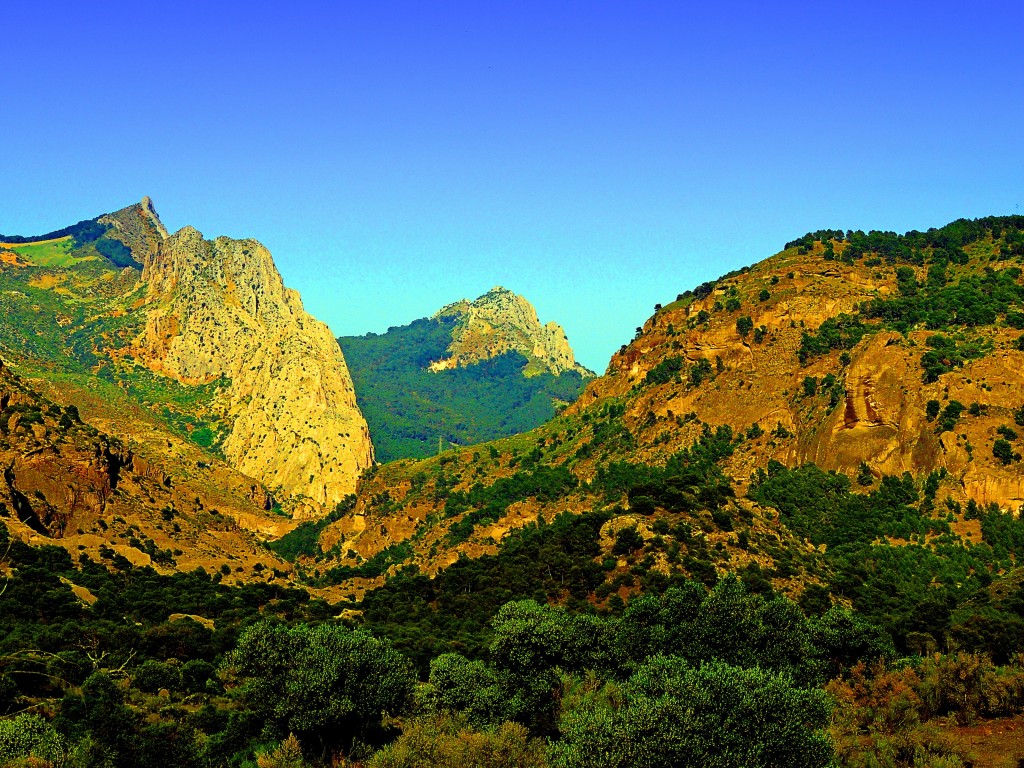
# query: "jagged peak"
{"type": "Point", "coordinates": [146, 204]}
{"type": "Point", "coordinates": [502, 321]}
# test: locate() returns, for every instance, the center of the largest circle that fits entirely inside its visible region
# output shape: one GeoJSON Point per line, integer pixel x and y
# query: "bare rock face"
{"type": "Point", "coordinates": [218, 311]}
{"type": "Point", "coordinates": [501, 321]}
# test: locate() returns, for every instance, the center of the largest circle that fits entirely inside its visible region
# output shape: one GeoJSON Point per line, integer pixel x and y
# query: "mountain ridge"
{"type": "Point", "coordinates": [215, 317]}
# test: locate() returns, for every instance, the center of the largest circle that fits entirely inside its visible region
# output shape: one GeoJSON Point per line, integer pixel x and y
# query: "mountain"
{"type": "Point", "coordinates": [203, 332]}
{"type": "Point", "coordinates": [794, 497]}
{"type": "Point", "coordinates": [839, 422]}
{"type": "Point", "coordinates": [501, 321]}
{"type": "Point", "coordinates": [473, 372]}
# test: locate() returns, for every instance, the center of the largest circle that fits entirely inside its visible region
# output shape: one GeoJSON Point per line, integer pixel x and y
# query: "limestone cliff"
{"type": "Point", "coordinates": [502, 321]}
{"type": "Point", "coordinates": [219, 311]}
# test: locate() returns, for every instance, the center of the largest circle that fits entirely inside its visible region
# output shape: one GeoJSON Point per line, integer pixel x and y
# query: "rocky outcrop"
{"type": "Point", "coordinates": [874, 414]}
{"type": "Point", "coordinates": [501, 321]}
{"type": "Point", "coordinates": [218, 311]}
{"type": "Point", "coordinates": [57, 473]}
{"type": "Point", "coordinates": [139, 228]}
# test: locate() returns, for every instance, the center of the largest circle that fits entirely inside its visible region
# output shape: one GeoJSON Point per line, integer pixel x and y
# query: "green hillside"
{"type": "Point", "coordinates": [409, 408]}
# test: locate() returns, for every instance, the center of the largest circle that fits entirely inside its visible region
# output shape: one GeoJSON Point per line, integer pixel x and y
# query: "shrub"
{"type": "Point", "coordinates": [447, 740]}
{"type": "Point", "coordinates": [150, 676]}
{"type": "Point", "coordinates": [1003, 451]}
{"type": "Point", "coordinates": [627, 540]}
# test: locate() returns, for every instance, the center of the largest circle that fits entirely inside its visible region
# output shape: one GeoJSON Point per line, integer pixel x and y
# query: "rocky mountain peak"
{"type": "Point", "coordinates": [218, 311]}
{"type": "Point", "coordinates": [503, 321]}
{"type": "Point", "coordinates": [139, 228]}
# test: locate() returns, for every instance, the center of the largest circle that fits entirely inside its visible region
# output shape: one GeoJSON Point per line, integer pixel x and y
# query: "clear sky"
{"type": "Point", "coordinates": [597, 157]}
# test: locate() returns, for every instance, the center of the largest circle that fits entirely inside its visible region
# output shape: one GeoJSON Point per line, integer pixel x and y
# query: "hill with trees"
{"type": "Point", "coordinates": [474, 372]}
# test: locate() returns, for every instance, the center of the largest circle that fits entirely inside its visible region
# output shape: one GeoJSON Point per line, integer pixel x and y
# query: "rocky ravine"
{"type": "Point", "coordinates": [502, 321]}
{"type": "Point", "coordinates": [218, 310]}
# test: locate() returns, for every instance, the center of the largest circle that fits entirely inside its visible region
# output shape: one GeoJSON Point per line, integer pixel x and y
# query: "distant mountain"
{"type": "Point", "coordinates": [475, 371]}
{"type": "Point", "coordinates": [502, 321]}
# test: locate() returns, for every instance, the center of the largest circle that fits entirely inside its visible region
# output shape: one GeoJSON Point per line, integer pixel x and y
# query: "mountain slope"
{"type": "Point", "coordinates": [473, 372]}
{"type": "Point", "coordinates": [891, 366]}
{"type": "Point", "coordinates": [69, 483]}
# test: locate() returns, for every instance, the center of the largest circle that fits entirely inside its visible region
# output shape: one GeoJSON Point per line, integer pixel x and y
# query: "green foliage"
{"type": "Point", "coordinates": [744, 326]}
{"type": "Point", "coordinates": [489, 503]}
{"type": "Point", "coordinates": [921, 586]}
{"type": "Point", "coordinates": [152, 675]}
{"type": "Point", "coordinates": [864, 475]}
{"type": "Point", "coordinates": [665, 371]}
{"type": "Point", "coordinates": [443, 740]}
{"type": "Point", "coordinates": [950, 416]}
{"type": "Point", "coordinates": [304, 539]}
{"type": "Point", "coordinates": [841, 332]}
{"type": "Point", "coordinates": [945, 353]}
{"type": "Point", "coordinates": [942, 301]}
{"type": "Point", "coordinates": [547, 562]}
{"type": "Point", "coordinates": [375, 566]}
{"type": "Point", "coordinates": [83, 233]}
{"type": "Point", "coordinates": [671, 713]}
{"type": "Point", "coordinates": [945, 242]}
{"type": "Point", "coordinates": [328, 681]}
{"type": "Point", "coordinates": [458, 684]}
{"type": "Point", "coordinates": [690, 480]}
{"type": "Point", "coordinates": [30, 736]}
{"type": "Point", "coordinates": [972, 301]}
{"type": "Point", "coordinates": [627, 540]}
{"type": "Point", "coordinates": [1003, 451]}
{"type": "Point", "coordinates": [407, 406]}
{"type": "Point", "coordinates": [45, 629]}
{"type": "Point", "coordinates": [116, 252]}
{"type": "Point", "coordinates": [700, 371]}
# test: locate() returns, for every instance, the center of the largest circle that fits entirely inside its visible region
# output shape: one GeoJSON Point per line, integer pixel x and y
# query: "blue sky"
{"type": "Point", "coordinates": [596, 157]}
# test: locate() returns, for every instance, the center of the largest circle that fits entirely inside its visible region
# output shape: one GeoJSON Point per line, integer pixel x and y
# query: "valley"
{"type": "Point", "coordinates": [795, 491]}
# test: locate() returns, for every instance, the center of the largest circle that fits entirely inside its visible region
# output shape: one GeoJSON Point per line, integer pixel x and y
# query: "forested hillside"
{"type": "Point", "coordinates": [412, 409]}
